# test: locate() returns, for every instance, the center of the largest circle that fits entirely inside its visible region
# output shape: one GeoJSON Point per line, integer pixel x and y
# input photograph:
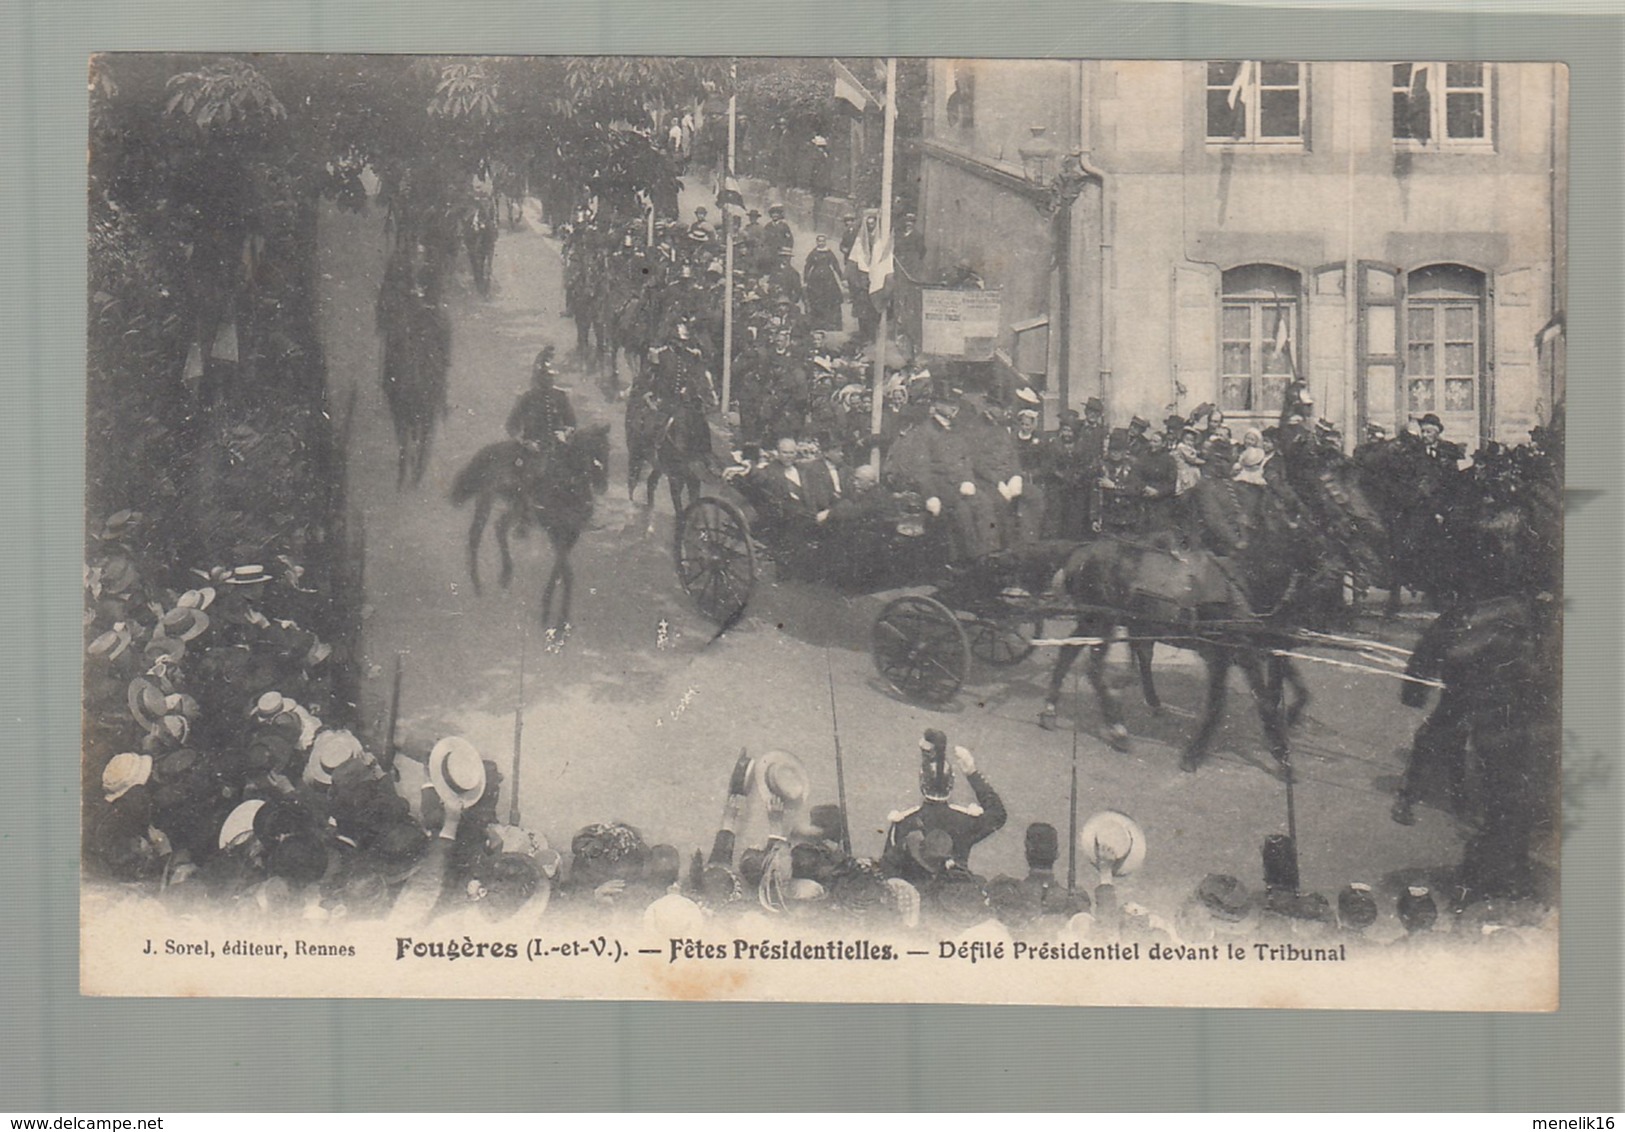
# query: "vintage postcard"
{"type": "Point", "coordinates": [894, 530]}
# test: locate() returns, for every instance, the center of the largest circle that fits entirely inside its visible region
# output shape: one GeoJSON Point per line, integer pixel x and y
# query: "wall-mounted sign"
{"type": "Point", "coordinates": [960, 324]}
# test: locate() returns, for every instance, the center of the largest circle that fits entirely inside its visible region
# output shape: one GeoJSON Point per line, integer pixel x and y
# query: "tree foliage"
{"type": "Point", "coordinates": [230, 92]}
{"type": "Point", "coordinates": [611, 90]}
{"type": "Point", "coordinates": [786, 88]}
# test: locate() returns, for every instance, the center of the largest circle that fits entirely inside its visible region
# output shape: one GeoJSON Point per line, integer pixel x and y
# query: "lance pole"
{"type": "Point", "coordinates": [1072, 812]}
{"type": "Point", "coordinates": [518, 716]}
{"type": "Point", "coordinates": [840, 770]}
{"type": "Point", "coordinates": [387, 760]}
{"type": "Point", "coordinates": [728, 247]}
{"type": "Point", "coordinates": [882, 333]}
{"type": "Point", "coordinates": [1291, 810]}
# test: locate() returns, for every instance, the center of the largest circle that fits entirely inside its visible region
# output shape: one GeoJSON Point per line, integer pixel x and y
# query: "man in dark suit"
{"type": "Point", "coordinates": [782, 482]}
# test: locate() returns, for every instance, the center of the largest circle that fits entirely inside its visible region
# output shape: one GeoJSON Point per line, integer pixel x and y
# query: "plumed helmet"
{"type": "Point", "coordinates": [936, 776]}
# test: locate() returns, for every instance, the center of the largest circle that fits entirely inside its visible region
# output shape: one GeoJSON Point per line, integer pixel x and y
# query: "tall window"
{"type": "Point", "coordinates": [1255, 102]}
{"type": "Point", "coordinates": [1444, 316]}
{"type": "Point", "coordinates": [1442, 105]}
{"type": "Point", "coordinates": [1258, 336]}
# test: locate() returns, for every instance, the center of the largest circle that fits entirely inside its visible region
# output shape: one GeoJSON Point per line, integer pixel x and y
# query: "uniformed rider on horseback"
{"type": "Point", "coordinates": [680, 382]}
{"type": "Point", "coordinates": [541, 420]}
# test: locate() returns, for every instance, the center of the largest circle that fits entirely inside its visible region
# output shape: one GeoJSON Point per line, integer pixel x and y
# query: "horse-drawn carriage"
{"type": "Point", "coordinates": [923, 643]}
{"type": "Point", "coordinates": [1255, 608]}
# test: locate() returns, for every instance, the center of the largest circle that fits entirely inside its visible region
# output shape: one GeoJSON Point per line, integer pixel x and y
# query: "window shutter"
{"type": "Point", "coordinates": [1380, 357]}
{"type": "Point", "coordinates": [1322, 340]}
{"type": "Point", "coordinates": [1196, 330]}
{"type": "Point", "coordinates": [1511, 323]}
{"type": "Point", "coordinates": [1306, 107]}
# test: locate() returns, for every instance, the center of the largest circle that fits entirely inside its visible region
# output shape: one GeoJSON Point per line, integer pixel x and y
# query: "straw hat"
{"type": "Point", "coordinates": [239, 824]}
{"type": "Point", "coordinates": [456, 770]}
{"type": "Point", "coordinates": [330, 751]}
{"type": "Point", "coordinates": [1114, 841]}
{"type": "Point", "coordinates": [124, 773]}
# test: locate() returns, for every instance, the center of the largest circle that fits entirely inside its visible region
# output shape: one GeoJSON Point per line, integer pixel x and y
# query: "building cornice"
{"type": "Point", "coordinates": [1001, 174]}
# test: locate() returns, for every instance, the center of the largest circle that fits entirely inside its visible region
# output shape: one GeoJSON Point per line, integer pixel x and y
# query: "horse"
{"type": "Point", "coordinates": [558, 498]}
{"type": "Point", "coordinates": [582, 304]}
{"type": "Point", "coordinates": [667, 438]}
{"type": "Point", "coordinates": [416, 357]}
{"type": "Point", "coordinates": [1233, 580]}
{"type": "Point", "coordinates": [508, 185]}
{"type": "Point", "coordinates": [480, 237]}
{"type": "Point", "coordinates": [1157, 590]}
{"type": "Point", "coordinates": [629, 319]}
{"type": "Point", "coordinates": [1498, 659]}
{"type": "Point", "coordinates": [1247, 528]}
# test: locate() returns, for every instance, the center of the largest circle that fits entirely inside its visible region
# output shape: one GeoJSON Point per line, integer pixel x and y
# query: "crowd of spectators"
{"type": "Point", "coordinates": [229, 796]}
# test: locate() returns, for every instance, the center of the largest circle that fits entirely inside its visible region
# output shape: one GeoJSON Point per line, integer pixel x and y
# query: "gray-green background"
{"type": "Point", "coordinates": [60, 1053]}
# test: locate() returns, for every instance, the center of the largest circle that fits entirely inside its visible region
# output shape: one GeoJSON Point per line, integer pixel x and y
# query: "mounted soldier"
{"type": "Point", "coordinates": [541, 419]}
{"type": "Point", "coordinates": [680, 381]}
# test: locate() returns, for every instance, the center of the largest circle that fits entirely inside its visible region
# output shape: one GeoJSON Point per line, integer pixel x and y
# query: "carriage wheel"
{"type": "Point", "coordinates": [996, 644]}
{"type": "Point", "coordinates": [716, 564]}
{"type": "Point", "coordinates": [920, 649]}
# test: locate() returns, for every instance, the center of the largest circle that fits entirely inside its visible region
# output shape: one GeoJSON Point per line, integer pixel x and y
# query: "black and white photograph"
{"type": "Point", "coordinates": [1056, 531]}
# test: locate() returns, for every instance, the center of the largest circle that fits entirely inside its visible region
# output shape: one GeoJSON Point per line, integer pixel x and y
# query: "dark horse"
{"type": "Point", "coordinates": [416, 356]}
{"type": "Point", "coordinates": [558, 498]}
{"type": "Point", "coordinates": [671, 440]}
{"type": "Point", "coordinates": [628, 319]}
{"type": "Point", "coordinates": [1231, 609]}
{"type": "Point", "coordinates": [1496, 647]}
{"type": "Point", "coordinates": [583, 304]}
{"type": "Point", "coordinates": [480, 237]}
{"type": "Point", "coordinates": [1498, 659]}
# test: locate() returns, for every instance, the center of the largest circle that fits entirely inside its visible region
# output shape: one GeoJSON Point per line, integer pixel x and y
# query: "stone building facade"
{"type": "Point", "coordinates": [1393, 233]}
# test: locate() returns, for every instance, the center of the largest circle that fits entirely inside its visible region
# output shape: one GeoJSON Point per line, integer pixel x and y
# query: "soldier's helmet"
{"type": "Point", "coordinates": [542, 368]}
{"type": "Point", "coordinates": [936, 776]}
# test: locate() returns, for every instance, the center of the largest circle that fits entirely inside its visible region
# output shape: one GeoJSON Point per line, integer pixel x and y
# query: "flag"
{"type": "Point", "coordinates": [728, 194]}
{"type": "Point", "coordinates": [1419, 104]}
{"type": "Point", "coordinates": [1239, 86]}
{"type": "Point", "coordinates": [850, 91]}
{"type": "Point", "coordinates": [862, 254]}
{"type": "Point", "coordinates": [1283, 339]}
{"type": "Point", "coordinates": [880, 266]}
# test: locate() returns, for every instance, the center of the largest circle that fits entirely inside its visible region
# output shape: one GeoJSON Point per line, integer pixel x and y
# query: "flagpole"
{"type": "Point", "coordinates": [728, 250]}
{"type": "Point", "coordinates": [878, 406]}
